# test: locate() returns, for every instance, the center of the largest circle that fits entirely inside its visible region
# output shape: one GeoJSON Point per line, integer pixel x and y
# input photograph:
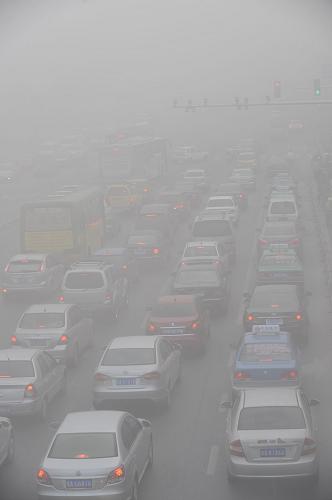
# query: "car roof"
{"type": "Point", "coordinates": [276, 396]}
{"type": "Point", "coordinates": [29, 256]}
{"type": "Point", "coordinates": [91, 421]}
{"type": "Point", "coordinates": [48, 308]}
{"type": "Point", "coordinates": [134, 342]}
{"type": "Point", "coordinates": [17, 354]}
{"type": "Point", "coordinates": [181, 299]}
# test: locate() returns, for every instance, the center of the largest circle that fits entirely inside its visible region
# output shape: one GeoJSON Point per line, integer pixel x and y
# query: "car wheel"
{"type": "Point", "coordinates": [134, 494]}
{"type": "Point", "coordinates": [11, 450]}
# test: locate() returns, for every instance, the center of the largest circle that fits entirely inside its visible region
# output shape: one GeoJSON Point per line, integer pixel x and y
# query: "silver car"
{"type": "Point", "coordinates": [60, 329]}
{"type": "Point", "coordinates": [29, 380]}
{"type": "Point", "coordinates": [31, 273]}
{"type": "Point", "coordinates": [137, 367]}
{"type": "Point", "coordinates": [271, 433]}
{"type": "Point", "coordinates": [94, 455]}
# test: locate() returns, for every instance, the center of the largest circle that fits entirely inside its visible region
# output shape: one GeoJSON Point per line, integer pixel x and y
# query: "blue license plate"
{"type": "Point", "coordinates": [172, 331]}
{"type": "Point", "coordinates": [272, 452]}
{"type": "Point", "coordinates": [126, 381]}
{"type": "Point", "coordinates": [274, 321]}
{"type": "Point", "coordinates": [82, 484]}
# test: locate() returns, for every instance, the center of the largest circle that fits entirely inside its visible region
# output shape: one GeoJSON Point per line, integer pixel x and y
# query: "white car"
{"type": "Point", "coordinates": [198, 177]}
{"type": "Point", "coordinates": [184, 154]}
{"type": "Point", "coordinates": [224, 204]}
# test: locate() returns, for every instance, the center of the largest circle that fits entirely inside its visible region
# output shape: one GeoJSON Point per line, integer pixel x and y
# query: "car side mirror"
{"type": "Point", "coordinates": [314, 402]}
{"type": "Point", "coordinates": [145, 423]}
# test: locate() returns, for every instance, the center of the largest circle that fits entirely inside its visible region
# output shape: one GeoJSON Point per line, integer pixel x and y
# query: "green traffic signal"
{"type": "Point", "coordinates": [317, 87]}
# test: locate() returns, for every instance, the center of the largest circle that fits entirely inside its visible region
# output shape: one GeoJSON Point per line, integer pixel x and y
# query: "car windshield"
{"type": "Point", "coordinates": [25, 266]}
{"type": "Point", "coordinates": [174, 309]}
{"type": "Point", "coordinates": [220, 202]}
{"type": "Point", "coordinates": [84, 280]}
{"type": "Point", "coordinates": [282, 207]}
{"type": "Point", "coordinates": [129, 356]}
{"type": "Point", "coordinates": [262, 353]}
{"type": "Point", "coordinates": [197, 276]}
{"type": "Point", "coordinates": [201, 251]}
{"type": "Point", "coordinates": [42, 320]}
{"type": "Point", "coordinates": [81, 445]}
{"type": "Point", "coordinates": [211, 228]}
{"type": "Point", "coordinates": [279, 230]}
{"type": "Point", "coordinates": [12, 368]}
{"type": "Point", "coordinates": [279, 260]}
{"type": "Point", "coordinates": [270, 418]}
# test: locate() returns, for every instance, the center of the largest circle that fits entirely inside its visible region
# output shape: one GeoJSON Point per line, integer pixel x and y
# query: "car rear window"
{"type": "Point", "coordinates": [81, 445]}
{"type": "Point", "coordinates": [25, 266]}
{"type": "Point", "coordinates": [278, 300]}
{"type": "Point", "coordinates": [220, 203]}
{"type": "Point", "coordinates": [42, 320]}
{"type": "Point", "coordinates": [84, 280]}
{"type": "Point", "coordinates": [129, 356]}
{"type": "Point", "coordinates": [16, 368]}
{"type": "Point", "coordinates": [262, 353]}
{"type": "Point", "coordinates": [201, 251]}
{"type": "Point", "coordinates": [282, 207]}
{"type": "Point", "coordinates": [211, 228]}
{"type": "Point", "coordinates": [174, 310]}
{"type": "Point", "coordinates": [279, 230]}
{"type": "Point", "coordinates": [271, 417]}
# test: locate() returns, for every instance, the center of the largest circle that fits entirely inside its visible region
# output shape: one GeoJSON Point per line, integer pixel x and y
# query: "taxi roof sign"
{"type": "Point", "coordinates": [265, 329]}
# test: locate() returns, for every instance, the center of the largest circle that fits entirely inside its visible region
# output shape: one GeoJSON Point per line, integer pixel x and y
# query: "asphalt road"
{"type": "Point", "coordinates": [189, 437]}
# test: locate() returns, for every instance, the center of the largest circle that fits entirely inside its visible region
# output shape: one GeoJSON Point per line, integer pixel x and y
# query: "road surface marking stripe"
{"type": "Point", "coordinates": [213, 460]}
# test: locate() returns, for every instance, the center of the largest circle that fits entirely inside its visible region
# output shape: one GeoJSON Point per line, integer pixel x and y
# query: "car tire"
{"type": "Point", "coordinates": [11, 450]}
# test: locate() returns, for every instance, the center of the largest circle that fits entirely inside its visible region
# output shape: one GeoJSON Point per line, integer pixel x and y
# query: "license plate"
{"type": "Point", "coordinates": [126, 381]}
{"type": "Point", "coordinates": [38, 343]}
{"type": "Point", "coordinates": [274, 321]}
{"type": "Point", "coordinates": [272, 452]}
{"type": "Point", "coordinates": [79, 484]}
{"type": "Point", "coordinates": [172, 331]}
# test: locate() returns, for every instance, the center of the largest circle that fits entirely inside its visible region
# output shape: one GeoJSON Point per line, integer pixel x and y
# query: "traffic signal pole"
{"type": "Point", "coordinates": [246, 104]}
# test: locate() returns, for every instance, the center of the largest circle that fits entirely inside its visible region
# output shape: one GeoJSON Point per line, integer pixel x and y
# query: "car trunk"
{"type": "Point", "coordinates": [39, 338]}
{"type": "Point", "coordinates": [12, 389]}
{"type": "Point", "coordinates": [268, 446]}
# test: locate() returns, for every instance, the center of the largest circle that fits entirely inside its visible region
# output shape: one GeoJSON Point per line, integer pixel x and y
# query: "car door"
{"type": "Point", "coordinates": [3, 442]}
{"type": "Point", "coordinates": [136, 443]}
{"type": "Point", "coordinates": [168, 363]}
{"type": "Point", "coordinates": [52, 375]}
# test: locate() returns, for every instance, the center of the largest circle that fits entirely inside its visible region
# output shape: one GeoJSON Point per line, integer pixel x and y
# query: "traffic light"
{"type": "Point", "coordinates": [277, 89]}
{"type": "Point", "coordinates": [317, 86]}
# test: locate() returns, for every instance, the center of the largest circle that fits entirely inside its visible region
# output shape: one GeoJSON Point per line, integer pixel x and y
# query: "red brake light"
{"type": "Point", "coordinates": [263, 243]}
{"type": "Point", "coordinates": [151, 376]}
{"type": "Point", "coordinates": [291, 375]}
{"type": "Point", "coordinates": [43, 477]}
{"type": "Point", "coordinates": [108, 297]}
{"type": "Point", "coordinates": [235, 448]}
{"type": "Point", "coordinates": [13, 339]}
{"type": "Point", "coordinates": [241, 376]}
{"type": "Point", "coordinates": [146, 190]}
{"type": "Point", "coordinates": [295, 241]}
{"type": "Point", "coordinates": [195, 325]}
{"type": "Point", "coordinates": [101, 377]}
{"type": "Point", "coordinates": [309, 446]}
{"type": "Point", "coordinates": [61, 298]}
{"type": "Point", "coordinates": [30, 391]}
{"type": "Point", "coordinates": [241, 195]}
{"type": "Point", "coordinates": [156, 251]}
{"type": "Point", "coordinates": [250, 317]}
{"type": "Point", "coordinates": [179, 205]}
{"type": "Point", "coordinates": [116, 475]}
{"type": "Point", "coordinates": [125, 267]}
{"type": "Point", "coordinates": [64, 340]}
{"type": "Point", "coordinates": [298, 317]}
{"type": "Point", "coordinates": [151, 327]}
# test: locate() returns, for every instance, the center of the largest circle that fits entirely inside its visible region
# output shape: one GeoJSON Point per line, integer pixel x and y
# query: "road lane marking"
{"type": "Point", "coordinates": [213, 460]}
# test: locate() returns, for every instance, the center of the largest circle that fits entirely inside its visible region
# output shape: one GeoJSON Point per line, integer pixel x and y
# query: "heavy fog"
{"type": "Point", "coordinates": [166, 208]}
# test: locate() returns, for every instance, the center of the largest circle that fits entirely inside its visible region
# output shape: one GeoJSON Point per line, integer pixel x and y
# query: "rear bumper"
{"type": "Point", "coordinates": [101, 395]}
{"type": "Point", "coordinates": [24, 407]}
{"type": "Point", "coordinates": [305, 467]}
{"type": "Point", "coordinates": [50, 493]}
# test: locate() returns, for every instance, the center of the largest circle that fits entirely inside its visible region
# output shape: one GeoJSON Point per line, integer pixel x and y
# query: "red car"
{"type": "Point", "coordinates": [183, 319]}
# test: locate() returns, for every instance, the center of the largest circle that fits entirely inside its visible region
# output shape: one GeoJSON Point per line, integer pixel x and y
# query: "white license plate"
{"type": "Point", "coordinates": [274, 321]}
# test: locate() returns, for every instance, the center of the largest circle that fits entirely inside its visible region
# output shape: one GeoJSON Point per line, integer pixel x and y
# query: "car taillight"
{"type": "Point", "coordinates": [125, 267]}
{"type": "Point", "coordinates": [179, 205]}
{"type": "Point", "coordinates": [108, 297]}
{"type": "Point", "coordinates": [30, 391]}
{"type": "Point", "coordinates": [263, 243]}
{"type": "Point", "coordinates": [13, 340]}
{"type": "Point", "coordinates": [298, 317]}
{"type": "Point", "coordinates": [152, 327]}
{"type": "Point", "coordinates": [241, 376]}
{"type": "Point", "coordinates": [146, 190]}
{"type": "Point", "coordinates": [152, 376]}
{"type": "Point", "coordinates": [295, 242]}
{"type": "Point", "coordinates": [195, 325]}
{"type": "Point", "coordinates": [61, 298]}
{"type": "Point", "coordinates": [235, 448]}
{"type": "Point", "coordinates": [290, 375]}
{"type": "Point", "coordinates": [63, 340]}
{"type": "Point", "coordinates": [42, 268]}
{"type": "Point", "coordinates": [101, 377]}
{"type": "Point", "coordinates": [250, 317]}
{"type": "Point", "coordinates": [156, 251]}
{"type": "Point", "coordinates": [116, 475]}
{"type": "Point", "coordinates": [43, 477]}
{"type": "Point", "coordinates": [309, 446]}
{"type": "Point", "coordinates": [242, 195]}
